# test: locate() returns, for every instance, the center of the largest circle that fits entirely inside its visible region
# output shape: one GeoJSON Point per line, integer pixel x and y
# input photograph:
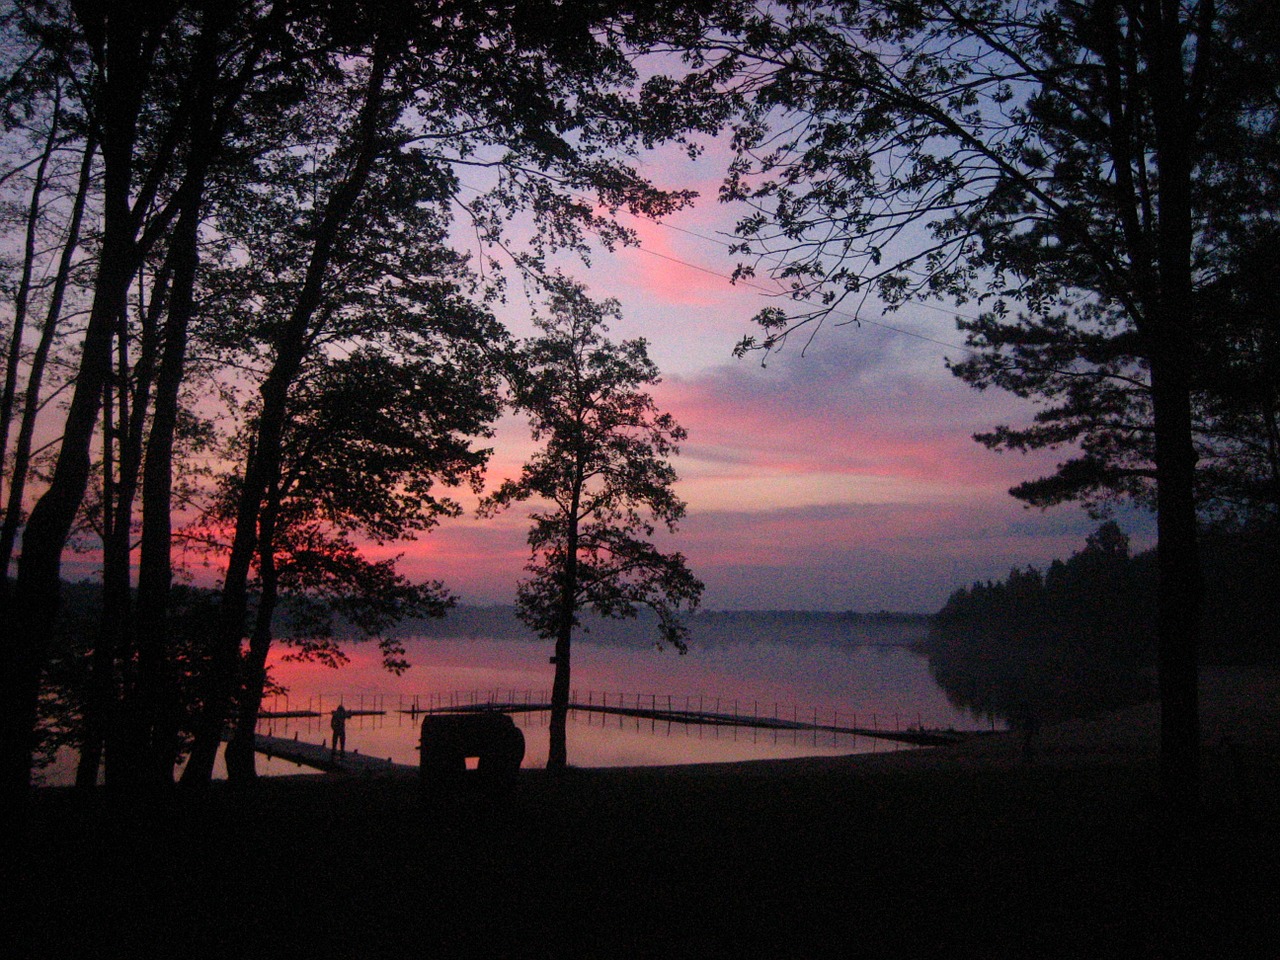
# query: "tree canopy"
{"type": "Point", "coordinates": [1072, 166]}
{"type": "Point", "coordinates": [274, 196]}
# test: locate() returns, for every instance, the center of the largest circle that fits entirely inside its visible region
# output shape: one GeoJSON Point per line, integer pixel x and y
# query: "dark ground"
{"type": "Point", "coordinates": [960, 853]}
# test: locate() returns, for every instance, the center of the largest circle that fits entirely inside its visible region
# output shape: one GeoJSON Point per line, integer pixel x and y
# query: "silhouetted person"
{"type": "Point", "coordinates": [339, 725]}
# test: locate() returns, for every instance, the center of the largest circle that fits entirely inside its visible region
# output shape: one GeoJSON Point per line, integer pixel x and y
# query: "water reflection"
{"type": "Point", "coordinates": [868, 686]}
{"type": "Point", "coordinates": [877, 686]}
{"type": "Point", "coordinates": [609, 740]}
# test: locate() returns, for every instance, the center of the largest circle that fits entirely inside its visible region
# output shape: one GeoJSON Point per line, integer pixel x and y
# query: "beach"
{"type": "Point", "coordinates": [969, 851]}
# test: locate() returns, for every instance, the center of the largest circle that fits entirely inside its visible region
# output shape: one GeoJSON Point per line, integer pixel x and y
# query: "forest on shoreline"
{"type": "Point", "coordinates": [1078, 638]}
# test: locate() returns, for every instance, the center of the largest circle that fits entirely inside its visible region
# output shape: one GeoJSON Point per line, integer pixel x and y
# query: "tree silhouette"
{"type": "Point", "coordinates": [1049, 158]}
{"type": "Point", "coordinates": [370, 441]}
{"type": "Point", "coordinates": [119, 57]}
{"type": "Point", "coordinates": [604, 476]}
{"type": "Point", "coordinates": [187, 115]}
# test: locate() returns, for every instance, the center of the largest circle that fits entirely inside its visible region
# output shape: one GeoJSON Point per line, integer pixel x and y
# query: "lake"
{"type": "Point", "coordinates": [868, 677]}
{"type": "Point", "coordinates": [866, 685]}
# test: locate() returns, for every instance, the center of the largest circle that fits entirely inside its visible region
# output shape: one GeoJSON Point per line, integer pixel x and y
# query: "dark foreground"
{"type": "Point", "coordinates": [975, 854]}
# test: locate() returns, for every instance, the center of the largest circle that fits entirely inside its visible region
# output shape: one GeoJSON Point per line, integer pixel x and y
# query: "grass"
{"type": "Point", "coordinates": [942, 854]}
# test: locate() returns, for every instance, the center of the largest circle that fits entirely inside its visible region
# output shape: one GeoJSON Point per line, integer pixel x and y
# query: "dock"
{"type": "Point", "coordinates": [913, 736]}
{"type": "Point", "coordinates": [306, 714]}
{"type": "Point", "coordinates": [650, 707]}
{"type": "Point", "coordinates": [318, 757]}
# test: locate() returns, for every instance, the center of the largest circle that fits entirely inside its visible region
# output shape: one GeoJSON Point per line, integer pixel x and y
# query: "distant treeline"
{"type": "Point", "coordinates": [499, 622]}
{"type": "Point", "coordinates": [1079, 636]}
{"type": "Point", "coordinates": [706, 628]}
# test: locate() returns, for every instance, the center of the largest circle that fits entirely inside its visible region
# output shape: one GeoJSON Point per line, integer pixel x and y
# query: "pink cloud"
{"type": "Point", "coordinates": [676, 269]}
{"type": "Point", "coordinates": [864, 411]}
{"type": "Point", "coordinates": [919, 429]}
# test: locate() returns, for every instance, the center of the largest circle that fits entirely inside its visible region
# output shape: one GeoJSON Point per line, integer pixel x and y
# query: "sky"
{"type": "Point", "coordinates": [840, 474]}
{"type": "Point", "coordinates": [837, 474]}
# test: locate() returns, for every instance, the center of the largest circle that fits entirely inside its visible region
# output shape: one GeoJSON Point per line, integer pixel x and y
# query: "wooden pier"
{"type": "Point", "coordinates": [914, 736]}
{"type": "Point", "coordinates": [640, 707]}
{"type": "Point", "coordinates": [319, 757]}
{"type": "Point", "coordinates": [305, 714]}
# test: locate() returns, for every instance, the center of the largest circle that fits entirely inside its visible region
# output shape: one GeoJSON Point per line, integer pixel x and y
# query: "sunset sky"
{"type": "Point", "coordinates": [841, 475]}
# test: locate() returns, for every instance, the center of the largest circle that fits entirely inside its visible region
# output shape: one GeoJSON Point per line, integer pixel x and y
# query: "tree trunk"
{"type": "Point", "coordinates": [558, 753]}
{"type": "Point", "coordinates": [1180, 592]}
{"type": "Point", "coordinates": [262, 468]}
{"type": "Point", "coordinates": [28, 623]}
{"type": "Point", "coordinates": [123, 747]}
{"type": "Point", "coordinates": [23, 297]}
{"type": "Point", "coordinates": [35, 378]}
{"type": "Point", "coordinates": [240, 750]}
{"type": "Point", "coordinates": [101, 700]}
{"type": "Point", "coordinates": [1180, 588]}
{"type": "Point", "coordinates": [148, 699]}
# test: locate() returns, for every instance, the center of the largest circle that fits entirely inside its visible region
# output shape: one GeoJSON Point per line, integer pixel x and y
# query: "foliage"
{"type": "Point", "coordinates": [1009, 154]}
{"type": "Point", "coordinates": [66, 681]}
{"type": "Point", "coordinates": [1077, 637]}
{"type": "Point", "coordinates": [605, 479]}
{"type": "Point", "coordinates": [603, 471]}
{"type": "Point", "coordinates": [1071, 641]}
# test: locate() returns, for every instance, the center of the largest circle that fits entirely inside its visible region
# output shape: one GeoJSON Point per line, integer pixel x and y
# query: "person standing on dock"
{"type": "Point", "coordinates": [339, 725]}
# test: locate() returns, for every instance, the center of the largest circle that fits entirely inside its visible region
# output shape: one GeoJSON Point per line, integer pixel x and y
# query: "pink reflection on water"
{"type": "Point", "coordinates": [843, 685]}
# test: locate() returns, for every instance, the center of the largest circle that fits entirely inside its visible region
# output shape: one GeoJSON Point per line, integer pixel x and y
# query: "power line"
{"type": "Point", "coordinates": [780, 291]}
{"type": "Point", "coordinates": [724, 243]}
{"type": "Point", "coordinates": [849, 317]}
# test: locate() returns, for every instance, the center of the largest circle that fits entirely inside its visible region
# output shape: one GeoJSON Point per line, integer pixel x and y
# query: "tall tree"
{"type": "Point", "coordinates": [533, 98]}
{"type": "Point", "coordinates": [237, 47]}
{"type": "Point", "coordinates": [370, 440]}
{"type": "Point", "coordinates": [123, 52]}
{"type": "Point", "coordinates": [20, 466]}
{"type": "Point", "coordinates": [22, 295]}
{"type": "Point", "coordinates": [1048, 157]}
{"type": "Point", "coordinates": [604, 475]}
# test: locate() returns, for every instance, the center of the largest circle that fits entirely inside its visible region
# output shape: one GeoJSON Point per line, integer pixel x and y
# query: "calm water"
{"type": "Point", "coordinates": [881, 686]}
{"type": "Point", "coordinates": [878, 686]}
